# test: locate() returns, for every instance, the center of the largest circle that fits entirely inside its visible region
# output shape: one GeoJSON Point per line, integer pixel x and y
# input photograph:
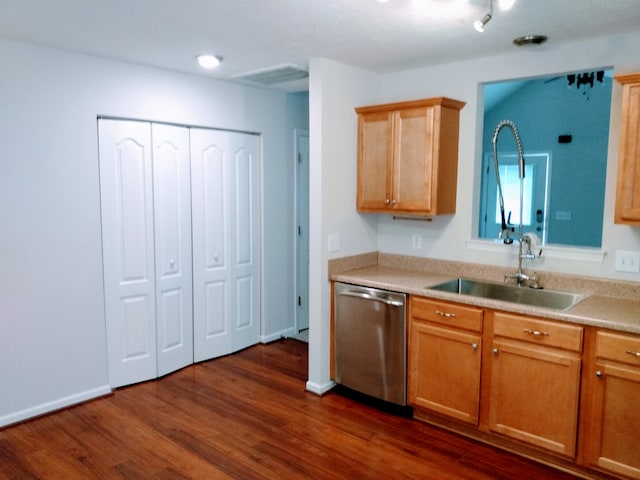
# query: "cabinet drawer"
{"type": "Point", "coordinates": [618, 347]}
{"type": "Point", "coordinates": [538, 331]}
{"type": "Point", "coordinates": [445, 313]}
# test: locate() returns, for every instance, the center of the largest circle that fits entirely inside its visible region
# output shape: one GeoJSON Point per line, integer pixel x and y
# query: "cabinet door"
{"type": "Point", "coordinates": [128, 250]}
{"type": "Point", "coordinates": [616, 414]}
{"type": "Point", "coordinates": [534, 394]}
{"type": "Point", "coordinates": [628, 186]}
{"type": "Point", "coordinates": [444, 371]}
{"type": "Point", "coordinates": [615, 419]}
{"type": "Point", "coordinates": [375, 136]}
{"type": "Point", "coordinates": [413, 159]}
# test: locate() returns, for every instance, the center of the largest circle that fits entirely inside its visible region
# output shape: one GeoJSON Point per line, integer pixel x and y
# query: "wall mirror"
{"type": "Point", "coordinates": [563, 122]}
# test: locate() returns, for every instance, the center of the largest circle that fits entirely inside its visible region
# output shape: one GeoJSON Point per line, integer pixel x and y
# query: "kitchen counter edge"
{"type": "Point", "coordinates": [620, 314]}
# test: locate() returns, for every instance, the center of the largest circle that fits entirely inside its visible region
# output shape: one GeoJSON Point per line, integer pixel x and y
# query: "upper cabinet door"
{"type": "Point", "coordinates": [128, 249]}
{"type": "Point", "coordinates": [413, 159]}
{"type": "Point", "coordinates": [408, 157]}
{"type": "Point", "coordinates": [375, 160]}
{"type": "Point", "coordinates": [628, 185]}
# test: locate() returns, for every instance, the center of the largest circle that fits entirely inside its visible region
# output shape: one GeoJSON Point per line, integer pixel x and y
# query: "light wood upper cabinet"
{"type": "Point", "coordinates": [614, 415]}
{"type": "Point", "coordinates": [628, 185]}
{"type": "Point", "coordinates": [408, 157]}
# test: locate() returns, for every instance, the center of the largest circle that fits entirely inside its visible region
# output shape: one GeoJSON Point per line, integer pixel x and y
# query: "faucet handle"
{"type": "Point", "coordinates": [535, 282]}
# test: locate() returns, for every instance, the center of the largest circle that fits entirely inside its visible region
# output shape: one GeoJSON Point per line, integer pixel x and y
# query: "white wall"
{"type": "Point", "coordinates": [334, 90]}
{"type": "Point", "coordinates": [52, 330]}
{"type": "Point", "coordinates": [333, 126]}
{"type": "Point", "coordinates": [447, 238]}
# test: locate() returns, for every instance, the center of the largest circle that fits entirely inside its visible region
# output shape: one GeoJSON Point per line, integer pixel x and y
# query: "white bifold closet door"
{"type": "Point", "coordinates": [226, 241]}
{"type": "Point", "coordinates": [146, 235]}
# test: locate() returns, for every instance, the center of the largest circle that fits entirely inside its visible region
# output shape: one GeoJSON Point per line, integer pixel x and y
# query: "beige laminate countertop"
{"type": "Point", "coordinates": [595, 310]}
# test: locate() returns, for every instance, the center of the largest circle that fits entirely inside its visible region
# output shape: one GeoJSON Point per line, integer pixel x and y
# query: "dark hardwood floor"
{"type": "Point", "coordinates": [244, 416]}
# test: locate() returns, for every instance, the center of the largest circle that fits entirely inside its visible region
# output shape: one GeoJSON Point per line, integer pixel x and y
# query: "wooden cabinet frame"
{"type": "Point", "coordinates": [628, 184]}
{"type": "Point", "coordinates": [408, 157]}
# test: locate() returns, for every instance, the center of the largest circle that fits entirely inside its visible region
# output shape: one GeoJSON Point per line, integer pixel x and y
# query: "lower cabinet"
{"type": "Point", "coordinates": [561, 392]}
{"type": "Point", "coordinates": [535, 382]}
{"type": "Point", "coordinates": [442, 335]}
{"type": "Point", "coordinates": [614, 440]}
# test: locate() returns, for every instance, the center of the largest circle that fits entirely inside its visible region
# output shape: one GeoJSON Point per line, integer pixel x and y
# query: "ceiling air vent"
{"type": "Point", "coordinates": [270, 76]}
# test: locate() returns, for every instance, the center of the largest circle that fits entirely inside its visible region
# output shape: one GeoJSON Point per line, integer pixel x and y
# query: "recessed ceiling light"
{"type": "Point", "coordinates": [208, 60]}
{"type": "Point", "coordinates": [529, 40]}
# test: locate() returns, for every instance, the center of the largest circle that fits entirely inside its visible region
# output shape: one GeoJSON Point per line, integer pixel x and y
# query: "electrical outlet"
{"type": "Point", "coordinates": [627, 261]}
{"type": "Point", "coordinates": [416, 241]}
{"type": "Point", "coordinates": [334, 242]}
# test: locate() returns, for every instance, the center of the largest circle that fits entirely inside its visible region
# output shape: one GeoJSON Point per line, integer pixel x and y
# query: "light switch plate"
{"type": "Point", "coordinates": [334, 242]}
{"type": "Point", "coordinates": [627, 261]}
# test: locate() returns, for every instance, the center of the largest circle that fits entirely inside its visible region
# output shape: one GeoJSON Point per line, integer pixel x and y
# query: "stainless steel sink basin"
{"type": "Point", "coordinates": [552, 299]}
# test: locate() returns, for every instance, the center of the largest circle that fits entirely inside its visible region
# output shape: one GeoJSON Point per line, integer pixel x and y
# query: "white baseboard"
{"type": "Point", "coordinates": [54, 405]}
{"type": "Point", "coordinates": [320, 389]}
{"type": "Point", "coordinates": [289, 332]}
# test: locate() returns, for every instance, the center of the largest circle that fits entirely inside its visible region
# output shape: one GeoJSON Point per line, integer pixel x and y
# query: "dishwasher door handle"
{"type": "Point", "coordinates": [373, 298]}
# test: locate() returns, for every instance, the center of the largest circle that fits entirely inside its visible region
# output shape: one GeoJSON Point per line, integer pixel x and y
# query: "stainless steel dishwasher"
{"type": "Point", "coordinates": [370, 342]}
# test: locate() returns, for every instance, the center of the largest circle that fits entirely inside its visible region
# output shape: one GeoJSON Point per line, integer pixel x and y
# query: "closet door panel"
{"type": "Point", "coordinates": [211, 192]}
{"type": "Point", "coordinates": [128, 251]}
{"type": "Point", "coordinates": [172, 217]}
{"type": "Point", "coordinates": [246, 268]}
{"type": "Point", "coordinates": [225, 205]}
{"type": "Point", "coordinates": [214, 313]}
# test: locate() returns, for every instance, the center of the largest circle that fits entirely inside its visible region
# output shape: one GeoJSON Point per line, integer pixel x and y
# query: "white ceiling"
{"type": "Point", "coordinates": [254, 35]}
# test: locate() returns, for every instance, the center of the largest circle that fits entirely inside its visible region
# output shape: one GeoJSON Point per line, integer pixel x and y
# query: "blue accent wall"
{"type": "Point", "coordinates": [544, 109]}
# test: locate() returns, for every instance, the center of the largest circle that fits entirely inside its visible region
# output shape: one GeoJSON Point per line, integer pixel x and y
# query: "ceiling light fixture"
{"type": "Point", "coordinates": [527, 40]}
{"type": "Point", "coordinates": [208, 60]}
{"type": "Point", "coordinates": [479, 24]}
{"type": "Point", "coordinates": [505, 4]}
{"type": "Point", "coordinates": [502, 4]}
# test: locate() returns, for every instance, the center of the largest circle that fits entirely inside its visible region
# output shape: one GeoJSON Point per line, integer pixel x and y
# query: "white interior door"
{"type": "Point", "coordinates": [535, 194]}
{"type": "Point", "coordinates": [302, 234]}
{"type": "Point", "coordinates": [172, 218]}
{"type": "Point", "coordinates": [128, 249]}
{"type": "Point", "coordinates": [226, 241]}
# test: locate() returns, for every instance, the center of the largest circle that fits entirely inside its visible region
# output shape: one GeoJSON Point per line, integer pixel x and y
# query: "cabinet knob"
{"type": "Point", "coordinates": [495, 351]}
{"type": "Point", "coordinates": [474, 346]}
{"type": "Point", "coordinates": [393, 202]}
{"type": "Point", "coordinates": [387, 201]}
{"type": "Point", "coordinates": [598, 373]}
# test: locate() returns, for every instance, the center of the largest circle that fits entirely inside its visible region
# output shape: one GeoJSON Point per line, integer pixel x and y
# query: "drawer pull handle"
{"type": "Point", "coordinates": [636, 354]}
{"type": "Point", "coordinates": [536, 333]}
{"type": "Point", "coordinates": [445, 314]}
